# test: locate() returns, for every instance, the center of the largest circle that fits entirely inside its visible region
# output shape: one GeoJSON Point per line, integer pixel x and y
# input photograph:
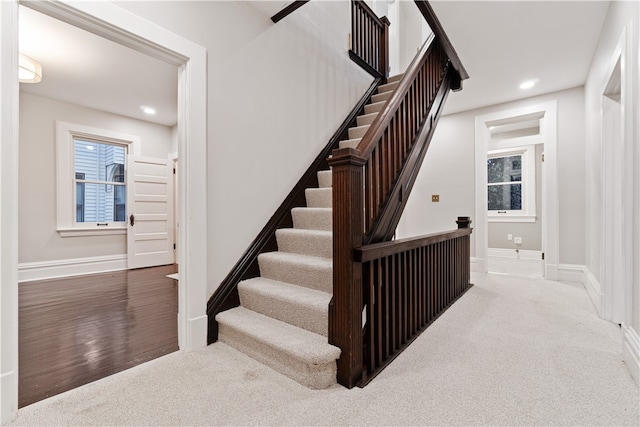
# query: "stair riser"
{"type": "Point", "coordinates": [306, 219]}
{"type": "Point", "coordinates": [373, 108]}
{"type": "Point", "coordinates": [310, 375]}
{"type": "Point", "coordinates": [350, 143]}
{"type": "Point", "coordinates": [381, 97]}
{"type": "Point", "coordinates": [366, 119]}
{"type": "Point", "coordinates": [305, 244]}
{"type": "Point", "coordinates": [389, 87]}
{"type": "Point", "coordinates": [324, 179]}
{"type": "Point", "coordinates": [358, 132]}
{"type": "Point", "coordinates": [311, 318]}
{"type": "Point", "coordinates": [311, 276]}
{"type": "Point", "coordinates": [319, 197]}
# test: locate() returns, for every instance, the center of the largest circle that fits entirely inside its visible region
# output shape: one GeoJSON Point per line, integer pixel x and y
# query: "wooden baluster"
{"type": "Point", "coordinates": [345, 309]}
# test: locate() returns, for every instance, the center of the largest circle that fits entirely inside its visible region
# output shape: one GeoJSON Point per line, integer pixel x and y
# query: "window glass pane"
{"type": "Point", "coordinates": [96, 163]}
{"type": "Point", "coordinates": [504, 169]}
{"type": "Point", "coordinates": [505, 197]}
{"type": "Point", "coordinates": [102, 203]}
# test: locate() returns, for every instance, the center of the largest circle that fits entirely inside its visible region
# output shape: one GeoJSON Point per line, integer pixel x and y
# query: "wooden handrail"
{"type": "Point", "coordinates": [382, 120]}
{"type": "Point", "coordinates": [435, 25]}
{"type": "Point", "coordinates": [384, 249]}
{"type": "Point", "coordinates": [289, 9]}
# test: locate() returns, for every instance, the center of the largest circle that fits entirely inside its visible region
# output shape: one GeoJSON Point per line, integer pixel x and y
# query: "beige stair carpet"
{"type": "Point", "coordinates": [282, 320]}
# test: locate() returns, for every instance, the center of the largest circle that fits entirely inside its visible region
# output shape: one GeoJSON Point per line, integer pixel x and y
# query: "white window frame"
{"type": "Point", "coordinates": [66, 133]}
{"type": "Point", "coordinates": [528, 211]}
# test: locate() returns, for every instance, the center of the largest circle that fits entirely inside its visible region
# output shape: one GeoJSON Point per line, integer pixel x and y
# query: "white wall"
{"type": "Point", "coordinates": [411, 35]}
{"type": "Point", "coordinates": [38, 238]}
{"type": "Point", "coordinates": [276, 94]}
{"type": "Point", "coordinates": [621, 15]}
{"type": "Point", "coordinates": [448, 170]}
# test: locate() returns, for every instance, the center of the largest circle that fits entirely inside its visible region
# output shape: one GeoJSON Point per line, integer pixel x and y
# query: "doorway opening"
{"type": "Point", "coordinates": [114, 23]}
{"type": "Point", "coordinates": [516, 199]}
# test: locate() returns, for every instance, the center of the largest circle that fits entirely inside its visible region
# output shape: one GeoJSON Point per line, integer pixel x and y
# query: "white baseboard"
{"type": "Point", "coordinates": [582, 274]}
{"type": "Point", "coordinates": [479, 265]}
{"type": "Point", "coordinates": [511, 253]}
{"type": "Point", "coordinates": [70, 267]}
{"type": "Point", "coordinates": [9, 391]}
{"type": "Point", "coordinates": [631, 352]}
{"type": "Point", "coordinates": [197, 333]}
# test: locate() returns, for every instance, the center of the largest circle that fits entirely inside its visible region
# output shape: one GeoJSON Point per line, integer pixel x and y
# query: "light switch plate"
{"type": "Point", "coordinates": [435, 197]}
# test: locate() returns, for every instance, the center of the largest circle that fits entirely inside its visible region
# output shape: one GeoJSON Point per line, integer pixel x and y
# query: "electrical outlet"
{"type": "Point", "coordinates": [517, 240]}
{"type": "Point", "coordinates": [435, 197]}
{"type": "Point", "coordinates": [509, 237]}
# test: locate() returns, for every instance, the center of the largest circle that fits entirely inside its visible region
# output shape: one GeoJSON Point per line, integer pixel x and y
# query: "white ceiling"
{"type": "Point", "coordinates": [84, 69]}
{"type": "Point", "coordinates": [501, 44]}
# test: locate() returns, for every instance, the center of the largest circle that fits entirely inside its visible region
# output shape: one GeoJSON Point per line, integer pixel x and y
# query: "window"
{"type": "Point", "coordinates": [511, 184]}
{"type": "Point", "coordinates": [92, 180]}
{"type": "Point", "coordinates": [100, 184]}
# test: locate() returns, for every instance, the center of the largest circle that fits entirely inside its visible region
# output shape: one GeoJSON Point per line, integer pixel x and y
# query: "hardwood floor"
{"type": "Point", "coordinates": [76, 330]}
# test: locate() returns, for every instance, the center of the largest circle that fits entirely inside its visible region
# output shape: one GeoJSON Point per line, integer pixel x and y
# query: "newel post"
{"type": "Point", "coordinates": [345, 308]}
{"type": "Point", "coordinates": [384, 51]}
{"type": "Point", "coordinates": [463, 222]}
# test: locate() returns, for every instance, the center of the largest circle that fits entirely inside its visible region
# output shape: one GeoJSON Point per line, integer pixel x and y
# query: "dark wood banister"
{"type": "Point", "coordinates": [382, 120]}
{"type": "Point", "coordinates": [384, 249]}
{"type": "Point", "coordinates": [434, 23]}
{"type": "Point", "coordinates": [289, 9]}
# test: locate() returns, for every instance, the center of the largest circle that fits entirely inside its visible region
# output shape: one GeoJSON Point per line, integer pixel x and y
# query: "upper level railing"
{"type": "Point", "coordinates": [369, 39]}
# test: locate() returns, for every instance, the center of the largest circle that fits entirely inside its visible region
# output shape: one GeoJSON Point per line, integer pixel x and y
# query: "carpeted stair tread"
{"type": "Point", "coordinates": [302, 270]}
{"type": "Point", "coordinates": [366, 119]}
{"type": "Point", "coordinates": [395, 78]}
{"type": "Point", "coordinates": [296, 305]}
{"type": "Point", "coordinates": [305, 242]}
{"type": "Point", "coordinates": [374, 107]}
{"type": "Point", "coordinates": [388, 87]}
{"type": "Point", "coordinates": [358, 132]}
{"type": "Point", "coordinates": [350, 143]}
{"type": "Point", "coordinates": [301, 355]}
{"type": "Point", "coordinates": [381, 97]}
{"type": "Point", "coordinates": [324, 179]}
{"type": "Point", "coordinates": [312, 218]}
{"type": "Point", "coordinates": [319, 197]}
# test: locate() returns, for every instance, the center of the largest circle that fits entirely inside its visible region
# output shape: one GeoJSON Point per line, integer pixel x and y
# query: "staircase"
{"type": "Point", "coordinates": [282, 320]}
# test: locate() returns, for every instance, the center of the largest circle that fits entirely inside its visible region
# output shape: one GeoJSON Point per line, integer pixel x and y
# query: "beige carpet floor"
{"type": "Point", "coordinates": [511, 351]}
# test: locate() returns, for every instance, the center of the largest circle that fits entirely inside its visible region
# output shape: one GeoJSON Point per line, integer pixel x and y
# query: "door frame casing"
{"type": "Point", "coordinates": [114, 23]}
{"type": "Point", "coordinates": [550, 206]}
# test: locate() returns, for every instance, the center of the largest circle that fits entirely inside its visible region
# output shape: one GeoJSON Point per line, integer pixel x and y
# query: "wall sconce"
{"type": "Point", "coordinates": [29, 71]}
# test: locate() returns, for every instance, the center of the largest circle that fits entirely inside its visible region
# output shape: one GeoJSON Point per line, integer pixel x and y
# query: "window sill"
{"type": "Point", "coordinates": [512, 218]}
{"type": "Point", "coordinates": [93, 231]}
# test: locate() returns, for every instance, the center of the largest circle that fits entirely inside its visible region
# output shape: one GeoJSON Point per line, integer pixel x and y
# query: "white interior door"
{"type": "Point", "coordinates": [150, 212]}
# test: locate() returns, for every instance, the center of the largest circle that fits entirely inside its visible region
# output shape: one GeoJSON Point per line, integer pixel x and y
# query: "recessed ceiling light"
{"type": "Point", "coordinates": [528, 84]}
{"type": "Point", "coordinates": [148, 110]}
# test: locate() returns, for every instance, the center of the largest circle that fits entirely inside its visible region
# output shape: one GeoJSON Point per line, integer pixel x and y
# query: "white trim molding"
{"type": "Point", "coordinates": [515, 253]}
{"type": "Point", "coordinates": [28, 271]}
{"type": "Point", "coordinates": [582, 274]}
{"type": "Point", "coordinates": [631, 351]}
{"type": "Point", "coordinates": [479, 265]}
{"type": "Point", "coordinates": [9, 112]}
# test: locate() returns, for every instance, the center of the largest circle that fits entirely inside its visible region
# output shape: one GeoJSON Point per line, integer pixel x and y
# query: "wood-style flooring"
{"type": "Point", "coordinates": [79, 329]}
